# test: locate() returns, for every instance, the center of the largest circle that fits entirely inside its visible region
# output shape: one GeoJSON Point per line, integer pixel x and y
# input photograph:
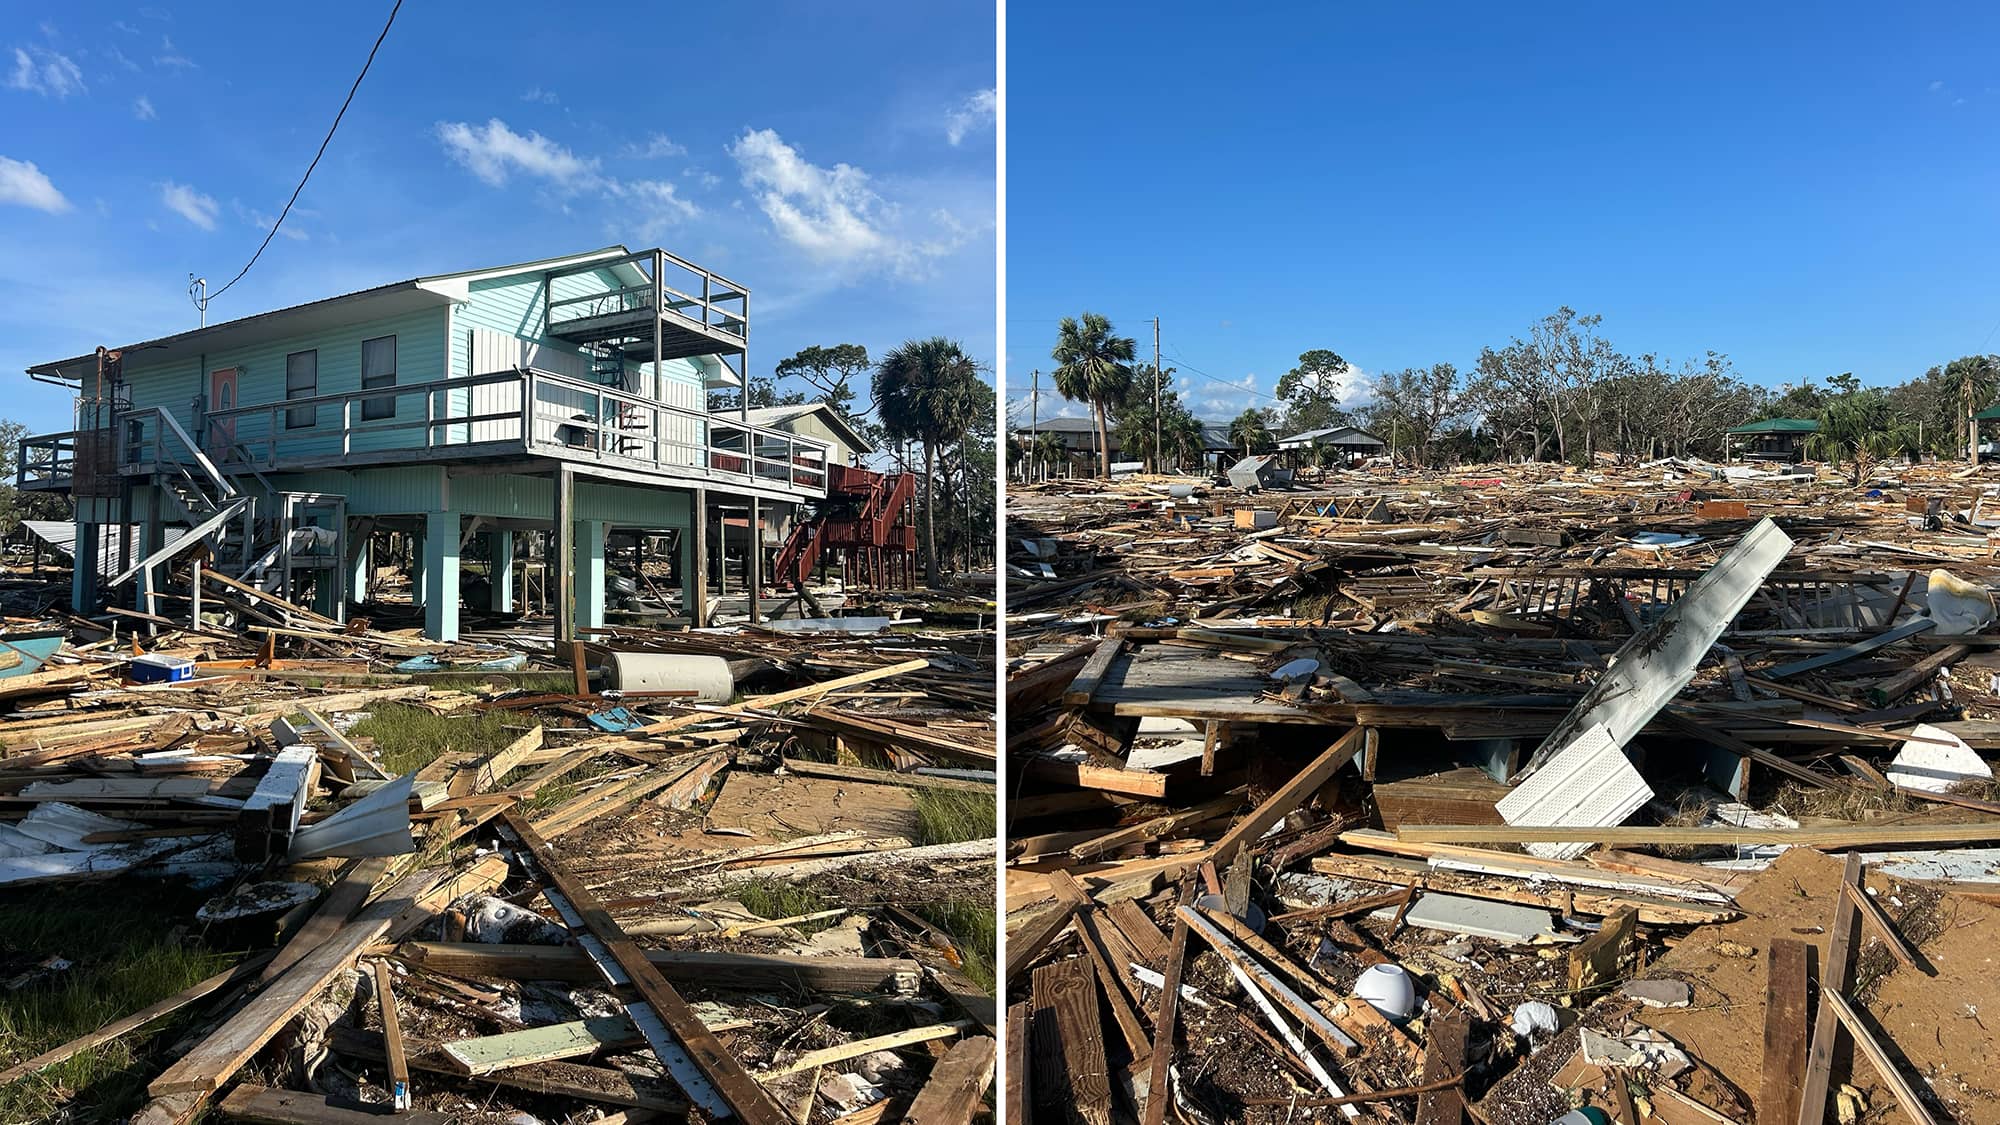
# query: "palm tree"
{"type": "Point", "coordinates": [1181, 439]}
{"type": "Point", "coordinates": [1249, 431]}
{"type": "Point", "coordinates": [924, 391]}
{"type": "Point", "coordinates": [1093, 366]}
{"type": "Point", "coordinates": [1048, 450]}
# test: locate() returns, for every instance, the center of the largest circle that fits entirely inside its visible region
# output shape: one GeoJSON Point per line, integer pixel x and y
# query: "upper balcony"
{"type": "Point", "coordinates": [676, 310]}
{"type": "Point", "coordinates": [512, 414]}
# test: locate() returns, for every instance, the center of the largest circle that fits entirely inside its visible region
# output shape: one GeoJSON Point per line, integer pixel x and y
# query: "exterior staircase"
{"type": "Point", "coordinates": [866, 514]}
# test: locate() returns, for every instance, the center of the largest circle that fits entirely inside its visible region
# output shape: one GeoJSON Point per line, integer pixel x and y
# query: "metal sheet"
{"type": "Point", "coordinates": [1651, 668]}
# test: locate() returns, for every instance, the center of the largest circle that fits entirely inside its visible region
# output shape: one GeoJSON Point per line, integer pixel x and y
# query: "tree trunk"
{"type": "Point", "coordinates": [1103, 442]}
{"type": "Point", "coordinates": [930, 522]}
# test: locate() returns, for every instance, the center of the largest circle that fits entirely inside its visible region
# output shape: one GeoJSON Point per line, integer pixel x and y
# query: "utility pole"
{"type": "Point", "coordinates": [1156, 394]}
{"type": "Point", "coordinates": [1034, 405]}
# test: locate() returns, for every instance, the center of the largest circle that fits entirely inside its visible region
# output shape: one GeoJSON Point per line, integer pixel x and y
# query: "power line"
{"type": "Point", "coordinates": [273, 232]}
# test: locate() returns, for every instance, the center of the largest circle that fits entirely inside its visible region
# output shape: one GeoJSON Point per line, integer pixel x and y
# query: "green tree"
{"type": "Point", "coordinates": [1855, 426]}
{"type": "Point", "coordinates": [1133, 422]}
{"type": "Point", "coordinates": [1313, 390]}
{"type": "Point", "coordinates": [16, 505]}
{"type": "Point", "coordinates": [927, 391]}
{"type": "Point", "coordinates": [1416, 404]}
{"type": "Point", "coordinates": [1251, 430]}
{"type": "Point", "coordinates": [1093, 365]}
{"type": "Point", "coordinates": [831, 372]}
{"type": "Point", "coordinates": [1973, 379]}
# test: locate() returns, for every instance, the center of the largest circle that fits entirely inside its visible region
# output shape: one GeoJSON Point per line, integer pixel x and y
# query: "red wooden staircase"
{"type": "Point", "coordinates": [869, 518]}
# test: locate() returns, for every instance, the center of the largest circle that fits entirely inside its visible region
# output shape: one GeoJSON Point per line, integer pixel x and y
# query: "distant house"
{"type": "Point", "coordinates": [1079, 435]}
{"type": "Point", "coordinates": [1347, 441]}
{"type": "Point", "coordinates": [1772, 439]}
{"type": "Point", "coordinates": [819, 421]}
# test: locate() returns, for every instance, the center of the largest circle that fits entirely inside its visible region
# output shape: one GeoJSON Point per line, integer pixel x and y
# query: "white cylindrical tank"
{"type": "Point", "coordinates": [671, 671]}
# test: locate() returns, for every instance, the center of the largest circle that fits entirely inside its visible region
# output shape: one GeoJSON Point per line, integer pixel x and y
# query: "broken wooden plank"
{"type": "Point", "coordinates": [957, 1083]}
{"type": "Point", "coordinates": [1157, 1081]}
{"type": "Point", "coordinates": [1786, 1031]}
{"type": "Point", "coordinates": [1073, 1080]}
{"type": "Point", "coordinates": [392, 1039]}
{"type": "Point", "coordinates": [1085, 685]}
{"type": "Point", "coordinates": [1833, 978]}
{"type": "Point", "coordinates": [1855, 835]}
{"type": "Point", "coordinates": [1594, 961]}
{"type": "Point", "coordinates": [1444, 1060]}
{"type": "Point", "coordinates": [1878, 921]}
{"type": "Point", "coordinates": [1288, 797]}
{"type": "Point", "coordinates": [1907, 1098]}
{"type": "Point", "coordinates": [270, 1106]}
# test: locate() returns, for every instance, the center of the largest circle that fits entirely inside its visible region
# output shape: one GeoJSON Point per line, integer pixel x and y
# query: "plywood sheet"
{"type": "Point", "coordinates": [785, 808]}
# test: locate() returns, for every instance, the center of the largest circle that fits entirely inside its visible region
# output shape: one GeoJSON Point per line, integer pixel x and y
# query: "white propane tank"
{"type": "Point", "coordinates": [671, 671]}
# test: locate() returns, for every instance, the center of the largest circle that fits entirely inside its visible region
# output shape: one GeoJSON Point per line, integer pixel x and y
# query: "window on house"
{"type": "Point", "coordinates": [301, 381]}
{"type": "Point", "coordinates": [378, 370]}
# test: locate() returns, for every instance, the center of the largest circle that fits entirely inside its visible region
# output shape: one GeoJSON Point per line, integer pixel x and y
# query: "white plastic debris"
{"type": "Point", "coordinates": [1535, 1016]}
{"type": "Point", "coordinates": [499, 922]}
{"type": "Point", "coordinates": [1958, 606]}
{"type": "Point", "coordinates": [1935, 768]}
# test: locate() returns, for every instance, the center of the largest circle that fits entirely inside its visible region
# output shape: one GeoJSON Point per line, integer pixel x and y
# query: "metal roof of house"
{"type": "Point", "coordinates": [1778, 426]}
{"type": "Point", "coordinates": [777, 416]}
{"type": "Point", "coordinates": [392, 299]}
{"type": "Point", "coordinates": [1332, 435]}
{"type": "Point", "coordinates": [1990, 414]}
{"type": "Point", "coordinates": [1060, 424]}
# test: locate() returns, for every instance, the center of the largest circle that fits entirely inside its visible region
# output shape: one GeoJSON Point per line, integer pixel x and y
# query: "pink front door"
{"type": "Point", "coordinates": [221, 396]}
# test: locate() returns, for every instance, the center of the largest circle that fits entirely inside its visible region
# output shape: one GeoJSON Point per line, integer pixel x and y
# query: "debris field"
{"type": "Point", "coordinates": [458, 883]}
{"type": "Point", "coordinates": [1656, 793]}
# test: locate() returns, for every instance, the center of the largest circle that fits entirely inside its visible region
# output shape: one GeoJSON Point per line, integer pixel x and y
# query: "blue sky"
{"type": "Point", "coordinates": [838, 160]}
{"type": "Point", "coordinates": [1809, 189]}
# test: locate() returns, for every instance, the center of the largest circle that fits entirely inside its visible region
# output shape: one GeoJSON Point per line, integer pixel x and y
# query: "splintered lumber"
{"type": "Point", "coordinates": [392, 1039]}
{"type": "Point", "coordinates": [1290, 796]}
{"type": "Point", "coordinates": [732, 1082]}
{"type": "Point", "coordinates": [1594, 960]}
{"type": "Point", "coordinates": [213, 1061]}
{"type": "Point", "coordinates": [110, 1031]}
{"type": "Point", "coordinates": [487, 1053]}
{"type": "Point", "coordinates": [1444, 1069]}
{"type": "Point", "coordinates": [1112, 974]}
{"type": "Point", "coordinates": [1907, 1098]}
{"type": "Point", "coordinates": [1085, 685]}
{"type": "Point", "coordinates": [496, 766]}
{"type": "Point", "coordinates": [1140, 933]}
{"type": "Point", "coordinates": [1035, 935]}
{"type": "Point", "coordinates": [562, 1079]}
{"type": "Point", "coordinates": [883, 777]}
{"type": "Point", "coordinates": [1107, 779]}
{"type": "Point", "coordinates": [349, 891]}
{"type": "Point", "coordinates": [1222, 937]}
{"type": "Point", "coordinates": [887, 731]}
{"type": "Point", "coordinates": [1072, 1078]}
{"type": "Point", "coordinates": [1157, 1084]}
{"type": "Point", "coordinates": [289, 1107]}
{"type": "Point", "coordinates": [1156, 828]}
{"type": "Point", "coordinates": [1785, 1031]}
{"type": "Point", "coordinates": [827, 1056]}
{"type": "Point", "coordinates": [1016, 1099]}
{"type": "Point", "coordinates": [1828, 836]}
{"type": "Point", "coordinates": [957, 1083]}
{"type": "Point", "coordinates": [1833, 978]}
{"type": "Point", "coordinates": [760, 702]}
{"type": "Point", "coordinates": [1878, 921]}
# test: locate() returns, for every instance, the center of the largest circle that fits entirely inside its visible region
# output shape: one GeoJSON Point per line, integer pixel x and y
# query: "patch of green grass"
{"type": "Point", "coordinates": [774, 898]}
{"type": "Point", "coordinates": [514, 681]}
{"type": "Point", "coordinates": [126, 957]}
{"type": "Point", "coordinates": [410, 738]}
{"type": "Point", "coordinates": [973, 925]}
{"type": "Point", "coordinates": [952, 816]}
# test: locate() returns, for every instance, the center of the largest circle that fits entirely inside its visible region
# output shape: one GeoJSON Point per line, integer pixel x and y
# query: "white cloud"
{"type": "Point", "coordinates": [142, 108]}
{"type": "Point", "coordinates": [121, 58]}
{"type": "Point", "coordinates": [1936, 85]}
{"type": "Point", "coordinates": [262, 221]}
{"type": "Point", "coordinates": [835, 215]}
{"type": "Point", "coordinates": [658, 205]}
{"type": "Point", "coordinates": [39, 70]}
{"type": "Point", "coordinates": [121, 25]}
{"type": "Point", "coordinates": [702, 176]}
{"type": "Point", "coordinates": [189, 204]}
{"type": "Point", "coordinates": [537, 94]}
{"type": "Point", "coordinates": [170, 55]}
{"type": "Point", "coordinates": [493, 151]}
{"type": "Point", "coordinates": [656, 147]}
{"type": "Point", "coordinates": [975, 112]}
{"type": "Point", "coordinates": [24, 184]}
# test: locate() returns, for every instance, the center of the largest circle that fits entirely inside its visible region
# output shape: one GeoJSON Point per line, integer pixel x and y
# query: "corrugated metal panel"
{"type": "Point", "coordinates": [1589, 785]}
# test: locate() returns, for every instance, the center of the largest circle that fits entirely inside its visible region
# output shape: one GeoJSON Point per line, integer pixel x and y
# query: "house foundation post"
{"type": "Point", "coordinates": [500, 550]}
{"type": "Point", "coordinates": [589, 538]}
{"type": "Point", "coordinates": [440, 571]}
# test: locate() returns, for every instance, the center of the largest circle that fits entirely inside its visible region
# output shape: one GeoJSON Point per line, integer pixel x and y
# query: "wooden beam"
{"type": "Point", "coordinates": [1907, 1098]}
{"type": "Point", "coordinates": [1786, 991]}
{"type": "Point", "coordinates": [1158, 1079]}
{"type": "Point", "coordinates": [1071, 1077]}
{"type": "Point", "coordinates": [289, 1107]}
{"type": "Point", "coordinates": [1085, 685]}
{"type": "Point", "coordinates": [349, 891]}
{"type": "Point", "coordinates": [1288, 797]}
{"type": "Point", "coordinates": [957, 1083]}
{"type": "Point", "coordinates": [762, 702]}
{"type": "Point", "coordinates": [1017, 1098]}
{"type": "Point", "coordinates": [1111, 974]}
{"type": "Point", "coordinates": [1833, 978]}
{"type": "Point", "coordinates": [1834, 836]}
{"type": "Point", "coordinates": [392, 1039]}
{"type": "Point", "coordinates": [217, 1058]}
{"type": "Point", "coordinates": [1444, 1061]}
{"type": "Point", "coordinates": [1872, 913]}
{"type": "Point", "coordinates": [732, 1082]}
{"type": "Point", "coordinates": [883, 777]}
